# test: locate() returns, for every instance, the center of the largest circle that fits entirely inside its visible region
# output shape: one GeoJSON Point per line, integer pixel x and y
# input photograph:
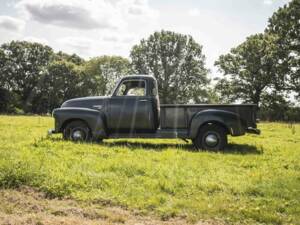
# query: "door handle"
{"type": "Point", "coordinates": [143, 100]}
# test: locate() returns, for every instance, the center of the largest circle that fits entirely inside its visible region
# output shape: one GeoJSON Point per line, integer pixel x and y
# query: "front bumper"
{"type": "Point", "coordinates": [52, 131]}
{"type": "Point", "coordinates": [252, 130]}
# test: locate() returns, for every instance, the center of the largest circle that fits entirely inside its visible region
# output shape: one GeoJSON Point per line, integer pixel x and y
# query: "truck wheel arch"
{"type": "Point", "coordinates": [231, 122]}
{"type": "Point", "coordinates": [215, 122]}
{"type": "Point", "coordinates": [94, 120]}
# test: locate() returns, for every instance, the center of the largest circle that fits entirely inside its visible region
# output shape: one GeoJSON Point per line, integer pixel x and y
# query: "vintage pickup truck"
{"type": "Point", "coordinates": [133, 111]}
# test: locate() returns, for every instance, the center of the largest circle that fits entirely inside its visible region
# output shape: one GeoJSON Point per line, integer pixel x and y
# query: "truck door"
{"type": "Point", "coordinates": [130, 109]}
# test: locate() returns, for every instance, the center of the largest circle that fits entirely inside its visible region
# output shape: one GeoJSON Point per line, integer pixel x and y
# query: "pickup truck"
{"type": "Point", "coordinates": [133, 111]}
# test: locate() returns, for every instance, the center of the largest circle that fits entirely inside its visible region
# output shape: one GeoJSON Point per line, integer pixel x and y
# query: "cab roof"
{"type": "Point", "coordinates": [139, 76]}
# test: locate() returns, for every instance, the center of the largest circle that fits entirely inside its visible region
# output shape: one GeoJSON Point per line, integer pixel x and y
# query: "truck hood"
{"type": "Point", "coordinates": [86, 102]}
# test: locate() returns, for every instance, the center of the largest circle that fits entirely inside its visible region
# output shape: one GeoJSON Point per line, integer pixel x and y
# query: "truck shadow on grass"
{"type": "Point", "coordinates": [241, 149]}
{"type": "Point", "coordinates": [232, 148]}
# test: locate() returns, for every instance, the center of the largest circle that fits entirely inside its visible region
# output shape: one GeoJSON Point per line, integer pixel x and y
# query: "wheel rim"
{"type": "Point", "coordinates": [78, 135]}
{"type": "Point", "coordinates": [211, 140]}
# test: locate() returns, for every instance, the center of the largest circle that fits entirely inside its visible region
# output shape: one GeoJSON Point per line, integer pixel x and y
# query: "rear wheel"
{"type": "Point", "coordinates": [211, 137]}
{"type": "Point", "coordinates": [77, 131]}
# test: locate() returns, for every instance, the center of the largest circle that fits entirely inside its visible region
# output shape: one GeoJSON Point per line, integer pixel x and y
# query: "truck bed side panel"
{"type": "Point", "coordinates": [179, 116]}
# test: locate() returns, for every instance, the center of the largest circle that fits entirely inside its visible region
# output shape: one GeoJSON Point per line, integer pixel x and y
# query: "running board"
{"type": "Point", "coordinates": [165, 133]}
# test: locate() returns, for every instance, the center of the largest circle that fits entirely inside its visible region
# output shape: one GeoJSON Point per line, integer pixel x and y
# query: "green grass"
{"type": "Point", "coordinates": [256, 180]}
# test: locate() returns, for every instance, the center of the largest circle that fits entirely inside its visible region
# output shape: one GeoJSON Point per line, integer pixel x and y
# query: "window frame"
{"type": "Point", "coordinates": [129, 80]}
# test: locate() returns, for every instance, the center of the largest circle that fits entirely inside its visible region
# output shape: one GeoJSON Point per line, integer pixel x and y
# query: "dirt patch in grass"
{"type": "Point", "coordinates": [28, 206]}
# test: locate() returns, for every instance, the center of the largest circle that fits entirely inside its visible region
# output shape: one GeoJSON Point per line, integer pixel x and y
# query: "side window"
{"type": "Point", "coordinates": [132, 88]}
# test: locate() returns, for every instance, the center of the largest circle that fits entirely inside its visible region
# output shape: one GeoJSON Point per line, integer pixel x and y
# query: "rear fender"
{"type": "Point", "coordinates": [93, 118]}
{"type": "Point", "coordinates": [231, 121]}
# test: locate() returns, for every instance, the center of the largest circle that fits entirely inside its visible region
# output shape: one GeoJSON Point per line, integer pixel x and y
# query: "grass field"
{"type": "Point", "coordinates": [256, 180]}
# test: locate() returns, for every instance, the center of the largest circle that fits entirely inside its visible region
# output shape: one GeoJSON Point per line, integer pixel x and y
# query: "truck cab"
{"type": "Point", "coordinates": [134, 105]}
{"type": "Point", "coordinates": [133, 111]}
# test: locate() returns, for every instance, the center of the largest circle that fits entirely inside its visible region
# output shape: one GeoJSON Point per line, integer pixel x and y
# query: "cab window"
{"type": "Point", "coordinates": [132, 88]}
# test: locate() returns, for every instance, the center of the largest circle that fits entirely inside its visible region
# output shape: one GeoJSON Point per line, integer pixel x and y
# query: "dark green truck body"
{"type": "Point", "coordinates": [140, 115]}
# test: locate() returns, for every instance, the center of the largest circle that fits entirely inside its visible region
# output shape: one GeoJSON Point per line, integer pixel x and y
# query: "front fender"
{"type": "Point", "coordinates": [231, 121]}
{"type": "Point", "coordinates": [95, 119]}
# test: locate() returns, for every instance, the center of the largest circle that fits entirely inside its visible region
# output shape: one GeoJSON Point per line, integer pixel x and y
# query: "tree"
{"type": "Point", "coordinates": [23, 63]}
{"type": "Point", "coordinates": [285, 23]}
{"type": "Point", "coordinates": [3, 78]}
{"type": "Point", "coordinates": [274, 107]}
{"type": "Point", "coordinates": [101, 73]}
{"type": "Point", "coordinates": [5, 100]}
{"type": "Point", "coordinates": [177, 62]}
{"type": "Point", "coordinates": [249, 69]}
{"type": "Point", "coordinates": [77, 60]}
{"type": "Point", "coordinates": [61, 81]}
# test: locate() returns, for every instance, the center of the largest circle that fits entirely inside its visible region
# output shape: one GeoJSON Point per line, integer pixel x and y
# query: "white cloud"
{"type": "Point", "coordinates": [87, 14]}
{"type": "Point", "coordinates": [137, 8]}
{"type": "Point", "coordinates": [127, 39]}
{"type": "Point", "coordinates": [87, 27]}
{"type": "Point", "coordinates": [110, 38]}
{"type": "Point", "coordinates": [268, 2]}
{"type": "Point", "coordinates": [109, 43]}
{"type": "Point", "coordinates": [11, 24]}
{"type": "Point", "coordinates": [35, 39]}
{"type": "Point", "coordinates": [117, 37]}
{"type": "Point", "coordinates": [194, 12]}
{"type": "Point", "coordinates": [77, 43]}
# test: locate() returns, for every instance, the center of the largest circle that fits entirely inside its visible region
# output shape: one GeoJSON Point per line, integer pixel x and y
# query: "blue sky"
{"type": "Point", "coordinates": [96, 27]}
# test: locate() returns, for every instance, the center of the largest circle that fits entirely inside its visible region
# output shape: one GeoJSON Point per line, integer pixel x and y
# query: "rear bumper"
{"type": "Point", "coordinates": [252, 130]}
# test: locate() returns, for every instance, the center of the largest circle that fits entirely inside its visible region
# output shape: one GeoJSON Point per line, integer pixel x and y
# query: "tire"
{"type": "Point", "coordinates": [77, 131]}
{"type": "Point", "coordinates": [97, 140]}
{"type": "Point", "coordinates": [211, 137]}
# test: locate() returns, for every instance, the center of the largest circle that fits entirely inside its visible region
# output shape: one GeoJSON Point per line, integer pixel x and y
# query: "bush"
{"type": "Point", "coordinates": [14, 174]}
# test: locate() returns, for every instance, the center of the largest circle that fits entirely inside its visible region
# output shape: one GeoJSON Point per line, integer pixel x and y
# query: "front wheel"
{"type": "Point", "coordinates": [77, 131]}
{"type": "Point", "coordinates": [211, 137]}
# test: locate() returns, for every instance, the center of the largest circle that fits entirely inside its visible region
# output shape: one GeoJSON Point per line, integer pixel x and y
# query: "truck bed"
{"type": "Point", "coordinates": [178, 116]}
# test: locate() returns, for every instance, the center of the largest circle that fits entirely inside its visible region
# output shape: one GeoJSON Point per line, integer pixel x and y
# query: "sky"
{"type": "Point", "coordinates": [111, 27]}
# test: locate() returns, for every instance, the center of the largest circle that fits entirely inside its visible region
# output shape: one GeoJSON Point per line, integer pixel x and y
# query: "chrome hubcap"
{"type": "Point", "coordinates": [77, 135]}
{"type": "Point", "coordinates": [211, 140]}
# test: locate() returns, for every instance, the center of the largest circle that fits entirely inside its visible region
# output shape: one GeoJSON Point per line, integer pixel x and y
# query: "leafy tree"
{"type": "Point", "coordinates": [225, 90]}
{"type": "Point", "coordinates": [285, 23]}
{"type": "Point", "coordinates": [101, 73]}
{"type": "Point", "coordinates": [3, 78]}
{"type": "Point", "coordinates": [292, 115]}
{"type": "Point", "coordinates": [5, 100]}
{"type": "Point", "coordinates": [273, 107]}
{"type": "Point", "coordinates": [23, 63]}
{"type": "Point", "coordinates": [177, 62]}
{"type": "Point", "coordinates": [61, 81]}
{"type": "Point", "coordinates": [249, 69]}
{"type": "Point", "coordinates": [70, 58]}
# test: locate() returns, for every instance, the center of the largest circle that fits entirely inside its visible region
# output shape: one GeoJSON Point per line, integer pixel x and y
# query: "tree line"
{"type": "Point", "coordinates": [264, 70]}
